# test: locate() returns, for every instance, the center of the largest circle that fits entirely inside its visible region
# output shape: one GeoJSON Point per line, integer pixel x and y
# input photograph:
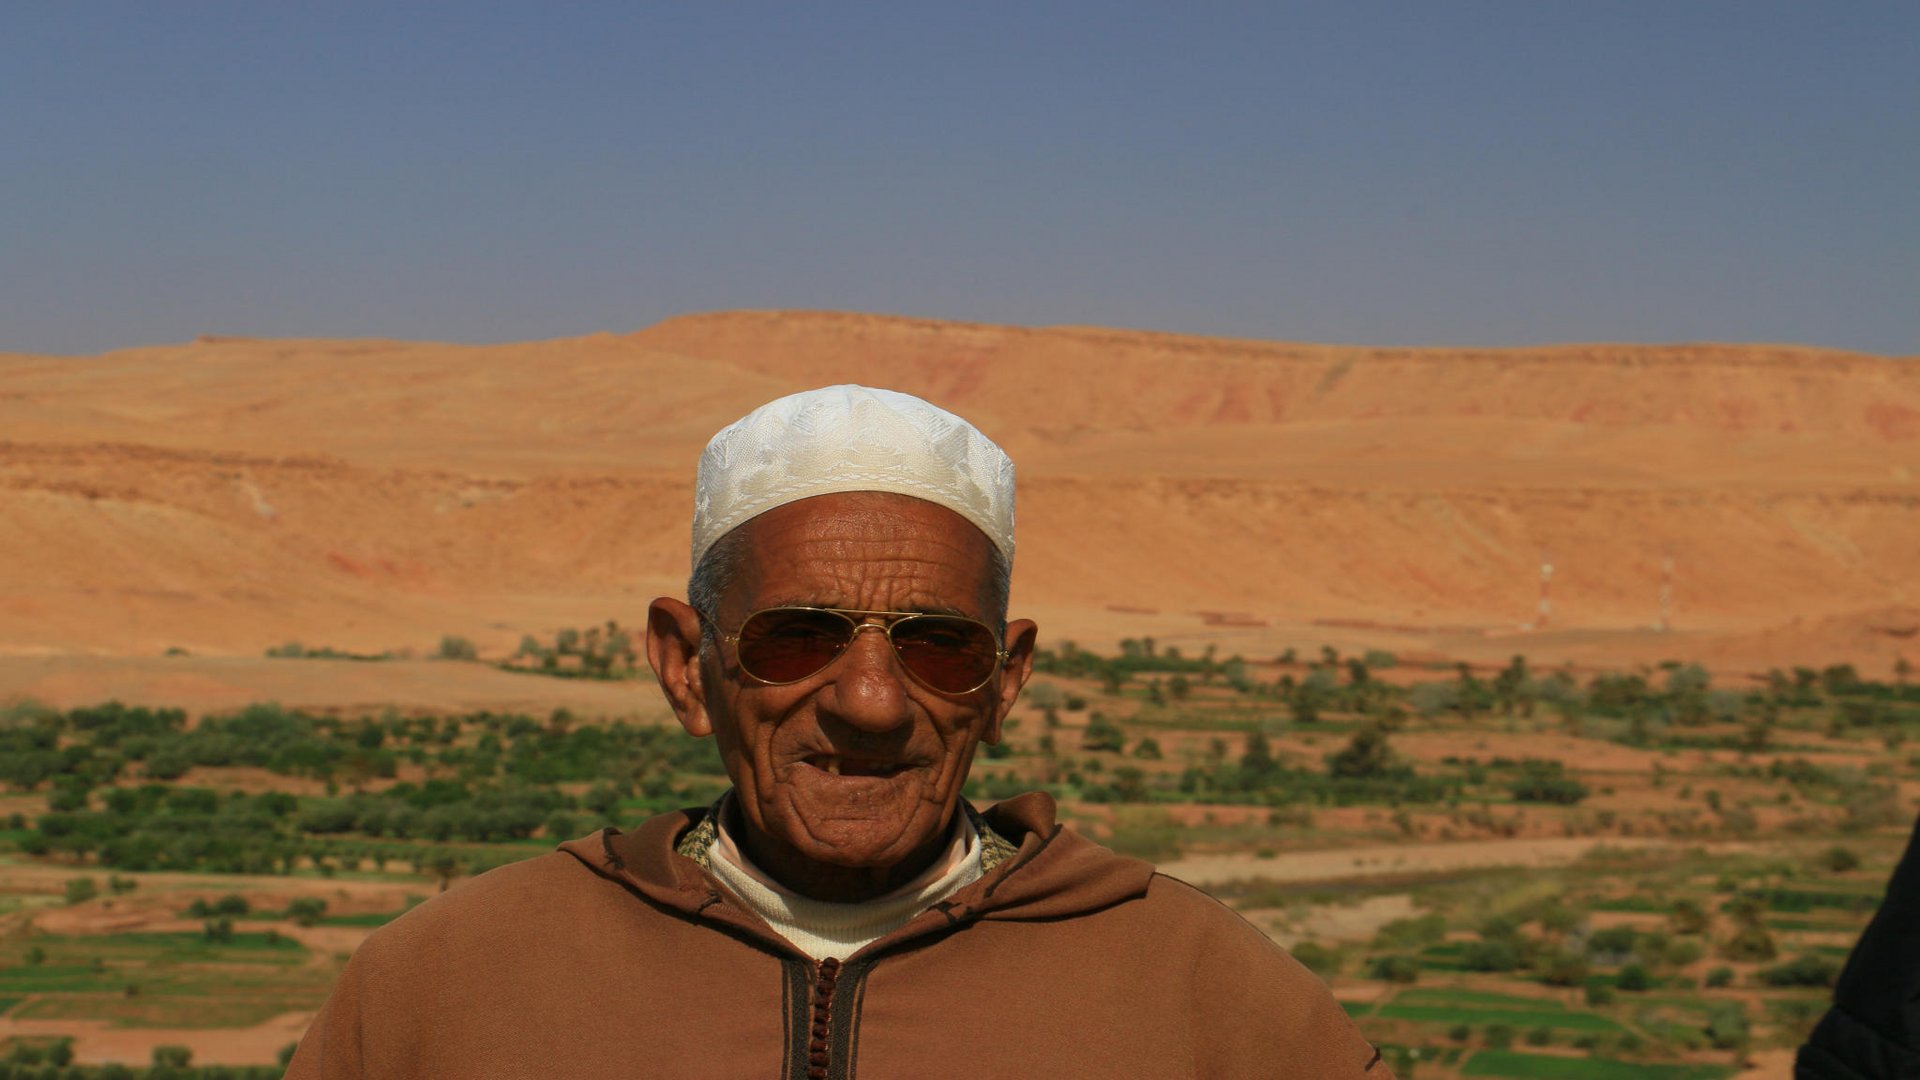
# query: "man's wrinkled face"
{"type": "Point", "coordinates": [858, 765]}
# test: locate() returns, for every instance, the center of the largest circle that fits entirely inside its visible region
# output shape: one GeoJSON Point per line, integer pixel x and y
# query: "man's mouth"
{"type": "Point", "coordinates": [841, 765]}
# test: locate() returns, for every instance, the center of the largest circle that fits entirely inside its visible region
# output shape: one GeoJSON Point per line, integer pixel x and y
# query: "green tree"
{"type": "Point", "coordinates": [1688, 917]}
{"type": "Point", "coordinates": [1102, 734]}
{"type": "Point", "coordinates": [453, 647]}
{"type": "Point", "coordinates": [444, 865]}
{"type": "Point", "coordinates": [1130, 784]}
{"type": "Point", "coordinates": [306, 910]}
{"type": "Point", "coordinates": [1257, 764]}
{"type": "Point", "coordinates": [1368, 755]}
{"type": "Point", "coordinates": [1513, 688]}
{"type": "Point", "coordinates": [1750, 942]}
{"type": "Point", "coordinates": [1727, 1026]}
{"type": "Point", "coordinates": [1395, 969]}
{"type": "Point", "coordinates": [1839, 860]}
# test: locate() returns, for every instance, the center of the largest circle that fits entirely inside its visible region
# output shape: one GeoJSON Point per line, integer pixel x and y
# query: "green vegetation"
{"type": "Point", "coordinates": [1642, 962]}
{"type": "Point", "coordinates": [490, 778]}
{"type": "Point", "coordinates": [598, 652]}
{"type": "Point", "coordinates": [1552, 1019]}
{"type": "Point", "coordinates": [155, 979]}
{"type": "Point", "coordinates": [293, 650]}
{"type": "Point", "coordinates": [1523, 1066]}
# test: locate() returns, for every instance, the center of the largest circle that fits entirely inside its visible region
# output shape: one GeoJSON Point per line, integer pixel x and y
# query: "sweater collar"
{"type": "Point", "coordinates": [1034, 869]}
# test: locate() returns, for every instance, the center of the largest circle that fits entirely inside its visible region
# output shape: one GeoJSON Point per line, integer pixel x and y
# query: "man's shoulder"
{"type": "Point", "coordinates": [1226, 934]}
{"type": "Point", "coordinates": [1176, 898]}
{"type": "Point", "coordinates": [500, 901]}
{"type": "Point", "coordinates": [1081, 887]}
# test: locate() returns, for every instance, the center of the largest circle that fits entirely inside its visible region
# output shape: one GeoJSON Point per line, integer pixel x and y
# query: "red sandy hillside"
{"type": "Point", "coordinates": [229, 494]}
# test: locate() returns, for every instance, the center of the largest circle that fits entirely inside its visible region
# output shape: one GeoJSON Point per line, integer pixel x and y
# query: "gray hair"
{"type": "Point", "coordinates": [723, 561]}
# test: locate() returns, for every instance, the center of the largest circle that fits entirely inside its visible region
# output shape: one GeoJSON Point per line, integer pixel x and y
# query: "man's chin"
{"type": "Point", "coordinates": [860, 840]}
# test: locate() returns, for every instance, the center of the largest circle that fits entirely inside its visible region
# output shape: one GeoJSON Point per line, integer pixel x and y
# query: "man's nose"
{"type": "Point", "coordinates": [869, 687]}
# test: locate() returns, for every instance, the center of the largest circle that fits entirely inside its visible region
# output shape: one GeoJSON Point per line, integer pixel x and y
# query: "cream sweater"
{"type": "Point", "coordinates": [822, 929]}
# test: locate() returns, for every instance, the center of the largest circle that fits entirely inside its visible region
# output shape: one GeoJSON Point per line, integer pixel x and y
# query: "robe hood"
{"type": "Point", "coordinates": [1054, 872]}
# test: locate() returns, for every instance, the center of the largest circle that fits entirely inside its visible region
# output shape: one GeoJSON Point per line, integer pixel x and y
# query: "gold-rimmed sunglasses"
{"type": "Point", "coordinates": [949, 654]}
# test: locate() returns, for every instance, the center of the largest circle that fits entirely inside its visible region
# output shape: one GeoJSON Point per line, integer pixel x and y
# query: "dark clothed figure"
{"type": "Point", "coordinates": [1872, 1032]}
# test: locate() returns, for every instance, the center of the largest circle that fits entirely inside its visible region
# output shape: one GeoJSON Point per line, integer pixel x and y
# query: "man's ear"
{"type": "Point", "coordinates": [673, 650]}
{"type": "Point", "coordinates": [1021, 634]}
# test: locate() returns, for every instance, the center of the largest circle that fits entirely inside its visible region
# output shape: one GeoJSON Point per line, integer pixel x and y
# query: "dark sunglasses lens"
{"type": "Point", "coordinates": [950, 654]}
{"type": "Point", "coordinates": [787, 645]}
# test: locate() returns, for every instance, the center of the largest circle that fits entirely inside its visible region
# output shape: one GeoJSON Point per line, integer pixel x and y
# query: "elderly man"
{"type": "Point", "coordinates": [842, 911]}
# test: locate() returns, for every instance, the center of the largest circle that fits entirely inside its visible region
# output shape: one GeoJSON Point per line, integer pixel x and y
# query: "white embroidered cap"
{"type": "Point", "coordinates": [850, 438]}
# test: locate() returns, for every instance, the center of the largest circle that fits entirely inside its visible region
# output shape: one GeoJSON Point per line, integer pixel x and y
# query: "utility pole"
{"type": "Point", "coordinates": [1666, 592]}
{"type": "Point", "coordinates": [1546, 583]}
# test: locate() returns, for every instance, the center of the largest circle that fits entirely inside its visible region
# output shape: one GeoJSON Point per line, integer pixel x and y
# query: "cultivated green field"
{"type": "Point", "coordinates": [1501, 872]}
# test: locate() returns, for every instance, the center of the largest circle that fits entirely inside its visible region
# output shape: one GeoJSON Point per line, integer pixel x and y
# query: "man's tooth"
{"type": "Point", "coordinates": [833, 765]}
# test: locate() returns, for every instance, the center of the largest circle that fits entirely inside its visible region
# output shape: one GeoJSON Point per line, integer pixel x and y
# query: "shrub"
{"type": "Point", "coordinates": [1634, 978]}
{"type": "Point", "coordinates": [1102, 734]}
{"type": "Point", "coordinates": [1599, 994]}
{"type": "Point", "coordinates": [1044, 695]}
{"type": "Point", "coordinates": [1688, 917]}
{"type": "Point", "coordinates": [1547, 782]}
{"type": "Point", "coordinates": [1682, 952]}
{"type": "Point", "coordinates": [1395, 969]}
{"type": "Point", "coordinates": [1750, 943]}
{"type": "Point", "coordinates": [1460, 1032]}
{"type": "Point", "coordinates": [1367, 755]}
{"type": "Point", "coordinates": [172, 1057]}
{"type": "Point", "coordinates": [1720, 977]}
{"type": "Point", "coordinates": [1564, 969]}
{"type": "Point", "coordinates": [1540, 1036]}
{"type": "Point", "coordinates": [1870, 807]}
{"type": "Point", "coordinates": [1617, 941]}
{"type": "Point", "coordinates": [306, 910]}
{"type": "Point", "coordinates": [1379, 659]}
{"type": "Point", "coordinates": [1727, 1027]}
{"type": "Point", "coordinates": [81, 889]}
{"type": "Point", "coordinates": [1808, 970]}
{"type": "Point", "coordinates": [1318, 958]}
{"type": "Point", "coordinates": [1414, 933]}
{"type": "Point", "coordinates": [453, 647]}
{"type": "Point", "coordinates": [1496, 955]}
{"type": "Point", "coordinates": [1499, 1036]}
{"type": "Point", "coordinates": [1840, 859]}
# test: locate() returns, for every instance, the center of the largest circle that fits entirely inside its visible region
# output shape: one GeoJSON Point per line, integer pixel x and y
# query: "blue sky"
{"type": "Point", "coordinates": [1384, 173]}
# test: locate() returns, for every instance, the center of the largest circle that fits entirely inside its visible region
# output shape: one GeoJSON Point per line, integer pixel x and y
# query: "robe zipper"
{"type": "Point", "coordinates": [820, 1031]}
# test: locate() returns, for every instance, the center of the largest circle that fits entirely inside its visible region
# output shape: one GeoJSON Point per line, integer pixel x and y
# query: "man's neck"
{"type": "Point", "coordinates": [825, 881]}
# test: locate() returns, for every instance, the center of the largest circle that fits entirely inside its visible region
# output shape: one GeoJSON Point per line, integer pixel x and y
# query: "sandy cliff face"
{"type": "Point", "coordinates": [229, 494]}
